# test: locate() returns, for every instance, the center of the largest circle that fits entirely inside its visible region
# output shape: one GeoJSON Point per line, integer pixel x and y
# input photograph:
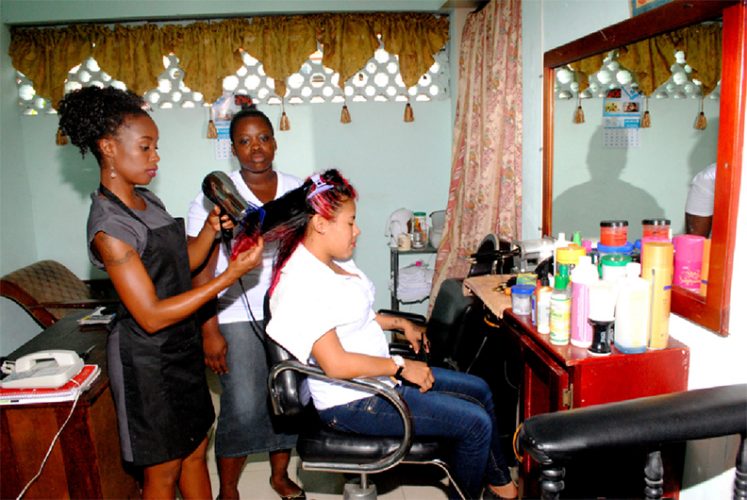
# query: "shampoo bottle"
{"type": "Point", "coordinates": [632, 311]}
{"type": "Point", "coordinates": [583, 276]}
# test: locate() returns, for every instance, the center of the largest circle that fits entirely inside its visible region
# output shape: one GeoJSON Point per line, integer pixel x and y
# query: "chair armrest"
{"type": "Point", "coordinates": [370, 385]}
{"type": "Point", "coordinates": [643, 422]}
{"type": "Point", "coordinates": [415, 318]}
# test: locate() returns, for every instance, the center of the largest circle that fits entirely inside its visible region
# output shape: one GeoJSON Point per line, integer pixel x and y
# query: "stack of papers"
{"type": "Point", "coordinates": [100, 316]}
{"type": "Point", "coordinates": [67, 392]}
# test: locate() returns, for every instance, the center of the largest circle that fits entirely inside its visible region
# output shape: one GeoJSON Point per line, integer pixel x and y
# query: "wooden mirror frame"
{"type": "Point", "coordinates": [711, 311]}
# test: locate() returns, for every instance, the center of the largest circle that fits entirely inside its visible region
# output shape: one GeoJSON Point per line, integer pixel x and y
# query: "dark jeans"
{"type": "Point", "coordinates": [459, 408]}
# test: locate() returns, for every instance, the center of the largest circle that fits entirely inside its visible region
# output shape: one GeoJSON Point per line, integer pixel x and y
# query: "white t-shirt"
{"type": "Point", "coordinates": [309, 300]}
{"type": "Point", "coordinates": [702, 192]}
{"type": "Point", "coordinates": [231, 307]}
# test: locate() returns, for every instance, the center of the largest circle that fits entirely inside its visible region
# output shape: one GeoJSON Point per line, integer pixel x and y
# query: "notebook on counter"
{"type": "Point", "coordinates": [67, 392]}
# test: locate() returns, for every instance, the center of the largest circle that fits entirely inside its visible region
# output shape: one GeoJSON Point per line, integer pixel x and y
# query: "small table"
{"type": "Point", "coordinates": [394, 254]}
{"type": "Point", "coordinates": [86, 460]}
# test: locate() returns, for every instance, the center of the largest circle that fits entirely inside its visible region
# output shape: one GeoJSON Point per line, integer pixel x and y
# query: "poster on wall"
{"type": "Point", "coordinates": [641, 6]}
{"type": "Point", "coordinates": [621, 117]}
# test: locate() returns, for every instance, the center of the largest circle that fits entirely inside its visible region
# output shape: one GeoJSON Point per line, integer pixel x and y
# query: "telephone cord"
{"type": "Point", "coordinates": [54, 441]}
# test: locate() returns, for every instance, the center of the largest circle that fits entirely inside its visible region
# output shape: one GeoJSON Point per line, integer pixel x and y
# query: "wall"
{"type": "Point", "coordinates": [651, 180]}
{"type": "Point", "coordinates": [393, 164]}
{"type": "Point", "coordinates": [714, 360]}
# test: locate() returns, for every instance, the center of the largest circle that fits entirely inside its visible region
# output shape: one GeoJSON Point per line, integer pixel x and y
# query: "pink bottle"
{"type": "Point", "coordinates": [688, 261]}
{"type": "Point", "coordinates": [582, 277]}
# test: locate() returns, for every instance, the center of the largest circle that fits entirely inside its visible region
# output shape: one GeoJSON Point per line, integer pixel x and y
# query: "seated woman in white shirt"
{"type": "Point", "coordinates": [322, 312]}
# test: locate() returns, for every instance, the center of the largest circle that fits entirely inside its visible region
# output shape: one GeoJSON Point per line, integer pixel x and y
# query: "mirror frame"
{"type": "Point", "coordinates": [711, 311]}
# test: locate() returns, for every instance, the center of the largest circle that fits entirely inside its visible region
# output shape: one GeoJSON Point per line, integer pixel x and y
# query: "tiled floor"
{"type": "Point", "coordinates": [402, 483]}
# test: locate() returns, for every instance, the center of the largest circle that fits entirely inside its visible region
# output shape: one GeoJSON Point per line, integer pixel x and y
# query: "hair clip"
{"type": "Point", "coordinates": [319, 186]}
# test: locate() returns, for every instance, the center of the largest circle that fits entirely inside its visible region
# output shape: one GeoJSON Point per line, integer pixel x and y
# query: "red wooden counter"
{"type": "Point", "coordinates": [562, 377]}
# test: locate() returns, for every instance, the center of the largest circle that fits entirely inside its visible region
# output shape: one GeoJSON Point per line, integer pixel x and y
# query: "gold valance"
{"type": "Point", "coordinates": [210, 51]}
{"type": "Point", "coordinates": [651, 59]}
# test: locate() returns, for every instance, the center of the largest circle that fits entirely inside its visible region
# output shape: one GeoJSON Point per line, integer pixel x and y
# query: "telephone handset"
{"type": "Point", "coordinates": [43, 369]}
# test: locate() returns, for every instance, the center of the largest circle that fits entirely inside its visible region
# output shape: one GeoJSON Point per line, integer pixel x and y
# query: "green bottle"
{"type": "Point", "coordinates": [560, 308]}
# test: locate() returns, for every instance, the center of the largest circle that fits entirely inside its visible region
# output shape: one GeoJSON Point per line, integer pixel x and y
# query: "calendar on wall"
{"type": "Point", "coordinates": [621, 118]}
{"type": "Point", "coordinates": [622, 138]}
{"type": "Point", "coordinates": [221, 112]}
{"type": "Point", "coordinates": [223, 141]}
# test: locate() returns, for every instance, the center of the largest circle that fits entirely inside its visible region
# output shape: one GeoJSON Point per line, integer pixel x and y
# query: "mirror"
{"type": "Point", "coordinates": [712, 310]}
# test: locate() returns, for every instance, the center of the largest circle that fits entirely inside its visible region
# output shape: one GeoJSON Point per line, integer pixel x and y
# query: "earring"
{"type": "Point", "coordinates": [112, 173]}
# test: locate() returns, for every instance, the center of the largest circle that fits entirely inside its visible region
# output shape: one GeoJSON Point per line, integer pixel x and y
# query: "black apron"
{"type": "Point", "coordinates": [167, 406]}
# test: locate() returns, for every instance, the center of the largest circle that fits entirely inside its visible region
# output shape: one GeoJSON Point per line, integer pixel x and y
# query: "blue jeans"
{"type": "Point", "coordinates": [459, 407]}
{"type": "Point", "coordinates": [245, 425]}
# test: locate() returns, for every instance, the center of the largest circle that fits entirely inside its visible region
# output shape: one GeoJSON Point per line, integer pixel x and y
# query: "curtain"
{"type": "Point", "coordinates": [650, 60]}
{"type": "Point", "coordinates": [485, 188]}
{"type": "Point", "coordinates": [210, 51]}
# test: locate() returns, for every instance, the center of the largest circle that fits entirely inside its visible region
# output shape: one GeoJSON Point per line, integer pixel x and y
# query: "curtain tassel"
{"type": "Point", "coordinates": [61, 138]}
{"type": "Point", "coordinates": [646, 118]}
{"type": "Point", "coordinates": [345, 115]}
{"type": "Point", "coordinates": [409, 116]}
{"type": "Point", "coordinates": [212, 132]}
{"type": "Point", "coordinates": [701, 122]}
{"type": "Point", "coordinates": [578, 116]}
{"type": "Point", "coordinates": [285, 123]}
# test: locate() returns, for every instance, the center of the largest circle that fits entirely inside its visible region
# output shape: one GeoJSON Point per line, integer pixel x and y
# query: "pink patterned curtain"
{"type": "Point", "coordinates": [485, 188]}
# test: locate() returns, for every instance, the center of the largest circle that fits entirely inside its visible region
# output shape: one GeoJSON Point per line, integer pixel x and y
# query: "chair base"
{"type": "Point", "coordinates": [355, 491]}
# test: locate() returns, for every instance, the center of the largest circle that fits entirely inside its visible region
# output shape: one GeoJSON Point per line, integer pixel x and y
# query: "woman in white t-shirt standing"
{"type": "Point", "coordinates": [233, 338]}
{"type": "Point", "coordinates": [321, 306]}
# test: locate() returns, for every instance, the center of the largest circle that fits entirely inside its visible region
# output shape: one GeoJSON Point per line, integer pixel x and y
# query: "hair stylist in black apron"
{"type": "Point", "coordinates": [155, 356]}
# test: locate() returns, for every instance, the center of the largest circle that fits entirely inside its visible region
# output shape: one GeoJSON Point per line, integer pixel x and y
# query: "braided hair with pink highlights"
{"type": "Point", "coordinates": [324, 194]}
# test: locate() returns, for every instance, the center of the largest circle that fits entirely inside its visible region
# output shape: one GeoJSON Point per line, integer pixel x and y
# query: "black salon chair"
{"type": "Point", "coordinates": [449, 323]}
{"type": "Point", "coordinates": [556, 439]}
{"type": "Point", "coordinates": [324, 449]}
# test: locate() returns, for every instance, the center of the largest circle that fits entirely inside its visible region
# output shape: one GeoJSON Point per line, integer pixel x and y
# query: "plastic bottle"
{"type": "Point", "coordinates": [582, 277]}
{"type": "Point", "coordinates": [632, 311]}
{"type": "Point", "coordinates": [688, 261]}
{"type": "Point", "coordinates": [560, 309]}
{"type": "Point", "coordinates": [656, 268]}
{"type": "Point", "coordinates": [544, 292]}
{"type": "Point", "coordinates": [559, 243]}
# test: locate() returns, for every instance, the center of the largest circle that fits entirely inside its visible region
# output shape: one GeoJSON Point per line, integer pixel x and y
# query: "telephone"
{"type": "Point", "coordinates": [43, 369]}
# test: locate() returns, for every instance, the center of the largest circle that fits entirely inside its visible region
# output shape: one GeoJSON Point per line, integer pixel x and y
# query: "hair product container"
{"type": "Point", "coordinates": [656, 268]}
{"type": "Point", "coordinates": [632, 311]}
{"type": "Point", "coordinates": [613, 233]}
{"type": "Point", "coordinates": [521, 299]}
{"type": "Point", "coordinates": [602, 297]}
{"type": "Point", "coordinates": [582, 277]}
{"type": "Point", "coordinates": [688, 261]}
{"type": "Point", "coordinates": [560, 309]}
{"type": "Point", "coordinates": [656, 228]}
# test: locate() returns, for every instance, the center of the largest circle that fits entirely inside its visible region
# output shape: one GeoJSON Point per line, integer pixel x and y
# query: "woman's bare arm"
{"type": "Point", "coordinates": [138, 293]}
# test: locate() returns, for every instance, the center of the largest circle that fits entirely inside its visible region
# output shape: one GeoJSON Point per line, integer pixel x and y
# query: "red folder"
{"type": "Point", "coordinates": [79, 383]}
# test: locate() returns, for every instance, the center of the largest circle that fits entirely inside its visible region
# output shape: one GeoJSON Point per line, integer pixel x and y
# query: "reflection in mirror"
{"type": "Point", "coordinates": [605, 173]}
{"type": "Point", "coordinates": [594, 180]}
{"type": "Point", "coordinates": [653, 173]}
